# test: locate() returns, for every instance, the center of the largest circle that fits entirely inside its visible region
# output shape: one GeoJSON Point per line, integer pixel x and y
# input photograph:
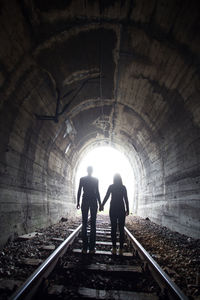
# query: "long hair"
{"type": "Point", "coordinates": [117, 179]}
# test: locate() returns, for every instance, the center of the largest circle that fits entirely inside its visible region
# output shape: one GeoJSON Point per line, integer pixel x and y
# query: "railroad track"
{"type": "Point", "coordinates": [68, 274]}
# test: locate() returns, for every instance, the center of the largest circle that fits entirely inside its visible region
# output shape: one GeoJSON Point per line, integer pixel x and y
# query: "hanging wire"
{"type": "Point", "coordinates": [102, 117]}
{"type": "Point", "coordinates": [100, 75]}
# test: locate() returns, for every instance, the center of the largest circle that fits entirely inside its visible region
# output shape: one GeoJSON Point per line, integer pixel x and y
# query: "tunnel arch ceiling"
{"type": "Point", "coordinates": [125, 73]}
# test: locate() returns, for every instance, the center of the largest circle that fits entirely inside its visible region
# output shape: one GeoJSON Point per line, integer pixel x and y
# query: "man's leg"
{"type": "Point", "coordinates": [84, 209]}
{"type": "Point", "coordinates": [93, 216]}
{"type": "Point", "coordinates": [121, 220]}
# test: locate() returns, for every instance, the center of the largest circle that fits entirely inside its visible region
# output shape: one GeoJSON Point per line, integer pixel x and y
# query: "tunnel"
{"type": "Point", "coordinates": [77, 75]}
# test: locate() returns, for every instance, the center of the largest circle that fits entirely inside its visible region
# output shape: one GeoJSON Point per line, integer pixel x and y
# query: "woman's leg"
{"type": "Point", "coordinates": [113, 220]}
{"type": "Point", "coordinates": [121, 220]}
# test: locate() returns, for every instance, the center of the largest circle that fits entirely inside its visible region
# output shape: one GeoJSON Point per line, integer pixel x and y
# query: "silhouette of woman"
{"type": "Point", "coordinates": [117, 212]}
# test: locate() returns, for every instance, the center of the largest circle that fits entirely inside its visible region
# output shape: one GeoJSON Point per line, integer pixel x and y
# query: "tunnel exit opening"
{"type": "Point", "coordinates": [106, 161]}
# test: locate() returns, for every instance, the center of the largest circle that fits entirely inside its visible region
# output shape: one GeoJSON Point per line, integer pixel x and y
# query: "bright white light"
{"type": "Point", "coordinates": [107, 161]}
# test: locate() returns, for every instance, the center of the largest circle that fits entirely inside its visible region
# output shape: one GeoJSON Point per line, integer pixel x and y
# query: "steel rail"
{"type": "Point", "coordinates": [164, 281]}
{"type": "Point", "coordinates": [30, 286]}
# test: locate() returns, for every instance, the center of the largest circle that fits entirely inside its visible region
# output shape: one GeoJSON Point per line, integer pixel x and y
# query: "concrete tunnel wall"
{"type": "Point", "coordinates": [126, 74]}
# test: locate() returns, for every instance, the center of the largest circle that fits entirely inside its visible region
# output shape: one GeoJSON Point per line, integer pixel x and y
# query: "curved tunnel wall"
{"type": "Point", "coordinates": [126, 73]}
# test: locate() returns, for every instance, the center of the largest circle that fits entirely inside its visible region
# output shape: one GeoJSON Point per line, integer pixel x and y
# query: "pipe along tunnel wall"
{"type": "Point", "coordinates": [78, 74]}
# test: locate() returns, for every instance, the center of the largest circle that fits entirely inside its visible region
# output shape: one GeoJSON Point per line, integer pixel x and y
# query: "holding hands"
{"type": "Point", "coordinates": [101, 207]}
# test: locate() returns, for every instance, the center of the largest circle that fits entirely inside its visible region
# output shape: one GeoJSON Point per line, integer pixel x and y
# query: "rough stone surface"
{"type": "Point", "coordinates": [177, 254]}
{"type": "Point", "coordinates": [21, 257]}
{"type": "Point", "coordinates": [126, 74]}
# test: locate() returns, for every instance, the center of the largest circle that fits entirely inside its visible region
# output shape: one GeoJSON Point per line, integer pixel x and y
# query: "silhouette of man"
{"type": "Point", "coordinates": [90, 197]}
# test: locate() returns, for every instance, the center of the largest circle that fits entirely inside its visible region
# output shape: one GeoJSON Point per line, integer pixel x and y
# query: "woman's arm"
{"type": "Point", "coordinates": [106, 196]}
{"type": "Point", "coordinates": [126, 201]}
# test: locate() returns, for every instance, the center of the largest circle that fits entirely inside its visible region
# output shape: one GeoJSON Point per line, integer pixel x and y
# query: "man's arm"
{"type": "Point", "coordinates": [79, 194]}
{"type": "Point", "coordinates": [126, 201]}
{"type": "Point", "coordinates": [98, 195]}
